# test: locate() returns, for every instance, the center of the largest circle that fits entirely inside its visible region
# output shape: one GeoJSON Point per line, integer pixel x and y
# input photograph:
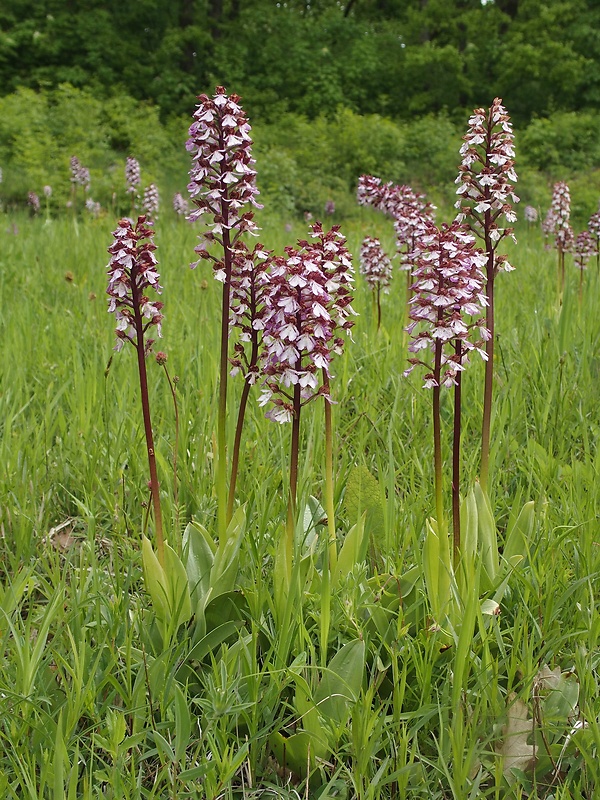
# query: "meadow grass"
{"type": "Point", "coordinates": [94, 705]}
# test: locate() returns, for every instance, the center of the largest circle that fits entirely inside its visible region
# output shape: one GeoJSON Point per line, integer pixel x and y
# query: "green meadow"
{"type": "Point", "coordinates": [256, 696]}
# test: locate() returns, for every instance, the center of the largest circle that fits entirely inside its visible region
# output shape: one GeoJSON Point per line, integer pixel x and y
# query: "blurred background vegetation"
{"type": "Point", "coordinates": [332, 89]}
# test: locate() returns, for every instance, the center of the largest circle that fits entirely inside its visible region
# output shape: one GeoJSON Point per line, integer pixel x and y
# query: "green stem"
{"type": "Point", "coordinates": [456, 457]}
{"type": "Point", "coordinates": [291, 512]}
{"type": "Point", "coordinates": [329, 484]}
{"type": "Point", "coordinates": [489, 368]}
{"type": "Point", "coordinates": [175, 446]}
{"type": "Point", "coordinates": [437, 435]}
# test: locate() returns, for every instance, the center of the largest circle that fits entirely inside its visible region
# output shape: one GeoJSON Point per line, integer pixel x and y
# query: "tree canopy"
{"type": "Point", "coordinates": [398, 58]}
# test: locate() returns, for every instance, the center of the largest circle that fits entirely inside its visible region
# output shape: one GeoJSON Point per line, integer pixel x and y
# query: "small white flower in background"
{"type": "Point", "coordinates": [33, 201]}
{"type": "Point", "coordinates": [180, 205]}
{"type": "Point", "coordinates": [132, 174]}
{"type": "Point", "coordinates": [561, 215]}
{"type": "Point", "coordinates": [584, 248]}
{"type": "Point", "coordinates": [530, 213]}
{"type": "Point", "coordinates": [151, 200]}
{"type": "Point", "coordinates": [93, 207]}
{"type": "Point", "coordinates": [375, 265]}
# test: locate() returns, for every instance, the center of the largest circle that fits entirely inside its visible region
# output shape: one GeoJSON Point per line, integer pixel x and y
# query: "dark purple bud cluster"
{"type": "Point", "coordinates": [132, 270]}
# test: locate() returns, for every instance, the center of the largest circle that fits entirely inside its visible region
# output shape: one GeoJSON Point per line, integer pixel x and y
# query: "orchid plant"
{"type": "Point", "coordinates": [485, 186]}
{"type": "Point", "coordinates": [594, 229]}
{"type": "Point", "coordinates": [584, 248]}
{"type": "Point", "coordinates": [308, 305]}
{"type": "Point", "coordinates": [223, 187]}
{"type": "Point", "coordinates": [133, 180]}
{"type": "Point", "coordinates": [447, 320]}
{"type": "Point", "coordinates": [559, 226]}
{"type": "Point", "coordinates": [376, 267]}
{"type": "Point", "coordinates": [132, 271]}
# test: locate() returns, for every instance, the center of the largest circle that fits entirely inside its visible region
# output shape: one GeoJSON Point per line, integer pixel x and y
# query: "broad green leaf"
{"type": "Point", "coordinates": [437, 571]}
{"type": "Point", "coordinates": [226, 563]}
{"type": "Point", "coordinates": [363, 496]}
{"type": "Point", "coordinates": [198, 558]}
{"type": "Point", "coordinates": [178, 591]}
{"type": "Point", "coordinates": [488, 538]}
{"type": "Point", "coordinates": [282, 573]}
{"type": "Point", "coordinates": [469, 520]}
{"type": "Point", "coordinates": [352, 552]}
{"type": "Point", "coordinates": [212, 640]}
{"type": "Point", "coordinates": [314, 516]}
{"type": "Point", "coordinates": [341, 682]}
{"type": "Point", "coordinates": [154, 579]}
{"type": "Point", "coordinates": [183, 724]}
{"type": "Point", "coordinates": [519, 535]}
{"type": "Point", "coordinates": [296, 752]}
{"type": "Point", "coordinates": [168, 586]}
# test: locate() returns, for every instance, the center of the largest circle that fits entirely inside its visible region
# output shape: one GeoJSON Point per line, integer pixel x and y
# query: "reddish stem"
{"type": "Point", "coordinates": [141, 357]}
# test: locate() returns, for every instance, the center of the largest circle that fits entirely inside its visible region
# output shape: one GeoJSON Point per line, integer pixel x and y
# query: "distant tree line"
{"type": "Point", "coordinates": [396, 58]}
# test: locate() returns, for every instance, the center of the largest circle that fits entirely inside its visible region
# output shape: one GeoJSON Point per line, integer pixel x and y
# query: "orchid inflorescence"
{"type": "Point", "coordinates": [180, 205]}
{"type": "Point", "coordinates": [131, 271]}
{"type": "Point", "coordinates": [222, 177]}
{"type": "Point", "coordinates": [308, 305]}
{"type": "Point", "coordinates": [132, 174]}
{"type": "Point", "coordinates": [584, 248]}
{"type": "Point", "coordinates": [560, 218]}
{"type": "Point", "coordinates": [486, 178]}
{"type": "Point", "coordinates": [411, 215]}
{"type": "Point", "coordinates": [33, 201]}
{"type": "Point", "coordinates": [151, 200]}
{"type": "Point", "coordinates": [594, 225]}
{"type": "Point", "coordinates": [375, 264]}
{"type": "Point", "coordinates": [250, 283]}
{"type": "Point", "coordinates": [448, 289]}
{"type": "Point", "coordinates": [80, 175]}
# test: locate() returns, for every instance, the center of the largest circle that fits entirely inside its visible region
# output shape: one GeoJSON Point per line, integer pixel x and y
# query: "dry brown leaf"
{"type": "Point", "coordinates": [61, 536]}
{"type": "Point", "coordinates": [515, 750]}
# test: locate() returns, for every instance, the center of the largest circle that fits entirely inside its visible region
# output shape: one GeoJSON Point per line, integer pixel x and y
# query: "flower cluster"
{"type": "Point", "coordinates": [485, 179]}
{"type": "Point", "coordinates": [594, 225]}
{"type": "Point", "coordinates": [47, 191]}
{"type": "Point", "coordinates": [132, 270]}
{"type": "Point", "coordinates": [384, 197]}
{"type": "Point", "coordinates": [308, 304]}
{"type": "Point", "coordinates": [222, 178]}
{"type": "Point", "coordinates": [33, 201]}
{"type": "Point", "coordinates": [80, 175]}
{"type": "Point", "coordinates": [250, 283]}
{"type": "Point", "coordinates": [93, 207]}
{"type": "Point", "coordinates": [584, 248]}
{"type": "Point", "coordinates": [180, 205]}
{"type": "Point", "coordinates": [375, 265]}
{"type": "Point", "coordinates": [530, 214]}
{"type": "Point", "coordinates": [560, 219]}
{"type": "Point", "coordinates": [151, 200]}
{"type": "Point", "coordinates": [448, 288]}
{"type": "Point", "coordinates": [411, 215]}
{"type": "Point", "coordinates": [132, 174]}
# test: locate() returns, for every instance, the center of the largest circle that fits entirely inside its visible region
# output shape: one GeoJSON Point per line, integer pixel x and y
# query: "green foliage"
{"type": "Point", "coordinates": [95, 703]}
{"type": "Point", "coordinates": [40, 131]}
